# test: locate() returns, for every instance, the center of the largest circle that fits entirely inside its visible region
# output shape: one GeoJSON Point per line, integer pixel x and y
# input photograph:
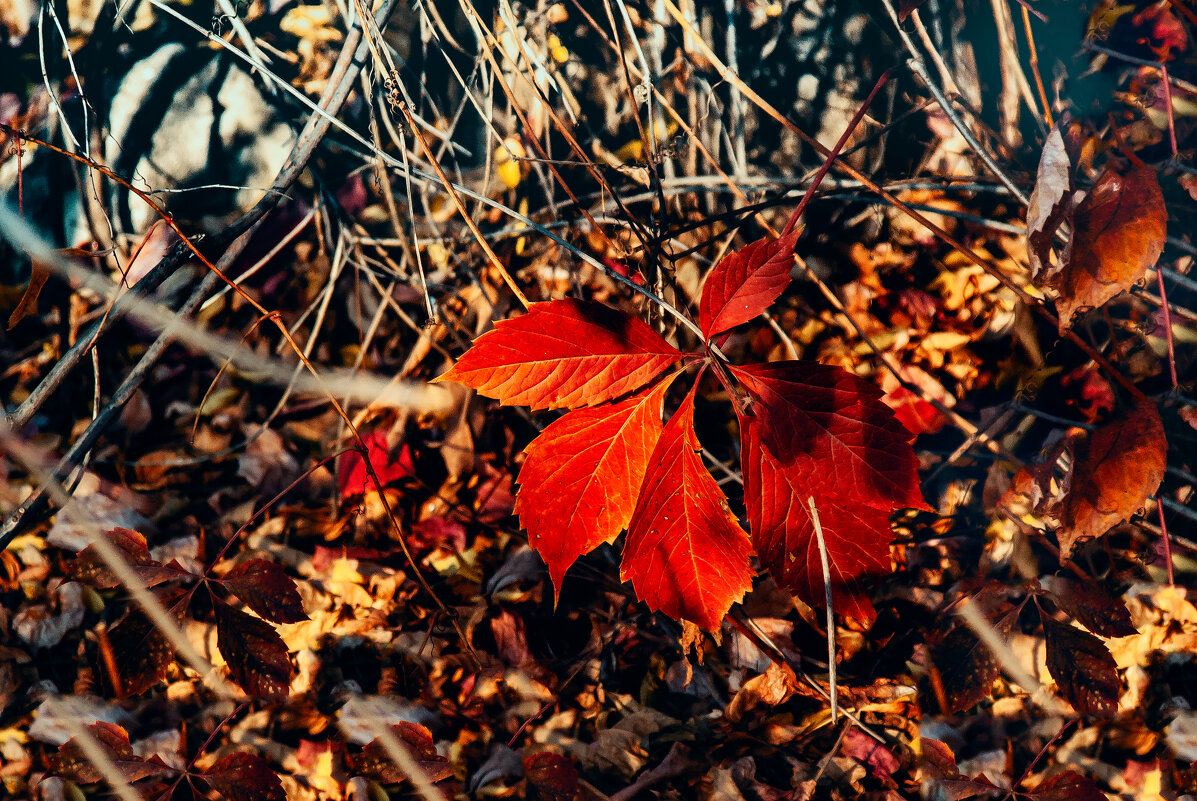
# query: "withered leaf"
{"type": "Point", "coordinates": [1090, 606]}
{"type": "Point", "coordinates": [142, 653]}
{"type": "Point", "coordinates": [1069, 786]}
{"type": "Point", "coordinates": [966, 667]}
{"type": "Point", "coordinates": [255, 652]}
{"type": "Point", "coordinates": [245, 777]}
{"type": "Point", "coordinates": [267, 589]}
{"type": "Point", "coordinates": [71, 761]}
{"type": "Point", "coordinates": [554, 776]}
{"type": "Point", "coordinates": [374, 763]}
{"type": "Point", "coordinates": [1115, 470]}
{"type": "Point", "coordinates": [1118, 232]}
{"type": "Point", "coordinates": [27, 305]}
{"type": "Point", "coordinates": [1049, 204]}
{"type": "Point", "coordinates": [91, 568]}
{"type": "Point", "coordinates": [1082, 667]}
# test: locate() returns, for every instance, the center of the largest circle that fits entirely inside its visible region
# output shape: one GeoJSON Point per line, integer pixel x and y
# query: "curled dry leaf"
{"type": "Point", "coordinates": [1082, 667]}
{"type": "Point", "coordinates": [1118, 233]}
{"type": "Point", "coordinates": [373, 762]}
{"type": "Point", "coordinates": [1115, 471]}
{"type": "Point", "coordinates": [1049, 206]}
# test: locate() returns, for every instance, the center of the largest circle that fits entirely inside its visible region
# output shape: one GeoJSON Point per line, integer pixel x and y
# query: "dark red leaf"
{"type": "Point", "coordinates": [90, 568]}
{"type": "Point", "coordinates": [564, 354]}
{"type": "Point", "coordinates": [142, 652]}
{"type": "Point", "coordinates": [966, 667]}
{"type": "Point", "coordinates": [374, 763]}
{"type": "Point", "coordinates": [879, 760]}
{"type": "Point", "coordinates": [267, 589]}
{"type": "Point", "coordinates": [71, 761]}
{"type": "Point", "coordinates": [354, 478]}
{"type": "Point", "coordinates": [833, 428]}
{"type": "Point", "coordinates": [745, 283]}
{"type": "Point", "coordinates": [685, 554]}
{"type": "Point", "coordinates": [256, 655]}
{"type": "Point", "coordinates": [581, 476]}
{"type": "Point", "coordinates": [554, 776]}
{"type": "Point", "coordinates": [245, 777]}
{"type": "Point", "coordinates": [856, 537]}
{"type": "Point", "coordinates": [1069, 786]}
{"type": "Point", "coordinates": [1083, 668]}
{"type": "Point", "coordinates": [1090, 606]}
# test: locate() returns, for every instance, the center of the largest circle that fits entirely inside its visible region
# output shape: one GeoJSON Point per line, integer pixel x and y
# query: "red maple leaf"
{"type": "Point", "coordinates": [564, 354]}
{"type": "Point", "coordinates": [685, 554]}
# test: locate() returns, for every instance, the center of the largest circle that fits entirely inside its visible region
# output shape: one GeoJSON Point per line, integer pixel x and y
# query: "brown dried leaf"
{"type": "Point", "coordinates": [1049, 204]}
{"type": "Point", "coordinates": [142, 652]}
{"type": "Point", "coordinates": [267, 589]}
{"type": "Point", "coordinates": [245, 777]}
{"type": "Point", "coordinates": [374, 763]}
{"type": "Point", "coordinates": [72, 762]}
{"type": "Point", "coordinates": [90, 568]}
{"type": "Point", "coordinates": [27, 305]}
{"type": "Point", "coordinates": [1090, 606]}
{"type": "Point", "coordinates": [1069, 786]}
{"type": "Point", "coordinates": [554, 776]}
{"type": "Point", "coordinates": [966, 667]}
{"type": "Point", "coordinates": [1118, 233]}
{"type": "Point", "coordinates": [256, 655]}
{"type": "Point", "coordinates": [1082, 667]}
{"type": "Point", "coordinates": [1114, 472]}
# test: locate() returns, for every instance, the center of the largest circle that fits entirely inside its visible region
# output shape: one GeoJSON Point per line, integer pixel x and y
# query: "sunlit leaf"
{"type": "Point", "coordinates": [564, 354]}
{"type": "Point", "coordinates": [581, 477]}
{"type": "Point", "coordinates": [685, 554]}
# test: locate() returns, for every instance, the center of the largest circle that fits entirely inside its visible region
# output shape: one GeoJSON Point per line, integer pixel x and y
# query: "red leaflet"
{"type": "Point", "coordinates": [245, 777]}
{"type": "Point", "coordinates": [685, 554]}
{"type": "Point", "coordinates": [857, 537]}
{"type": "Point", "coordinates": [267, 589]}
{"type": "Point", "coordinates": [354, 478]}
{"type": "Point", "coordinates": [564, 354]}
{"type": "Point", "coordinates": [745, 283]}
{"type": "Point", "coordinates": [579, 482]}
{"type": "Point", "coordinates": [832, 428]}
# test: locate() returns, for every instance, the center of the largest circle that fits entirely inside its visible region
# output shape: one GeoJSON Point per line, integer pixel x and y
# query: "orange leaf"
{"type": "Point", "coordinates": [685, 555]}
{"type": "Point", "coordinates": [564, 354]}
{"type": "Point", "coordinates": [580, 477]}
{"type": "Point", "coordinates": [745, 283]}
{"type": "Point", "coordinates": [856, 536]}
{"type": "Point", "coordinates": [1118, 233]}
{"type": "Point", "coordinates": [1115, 470]}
